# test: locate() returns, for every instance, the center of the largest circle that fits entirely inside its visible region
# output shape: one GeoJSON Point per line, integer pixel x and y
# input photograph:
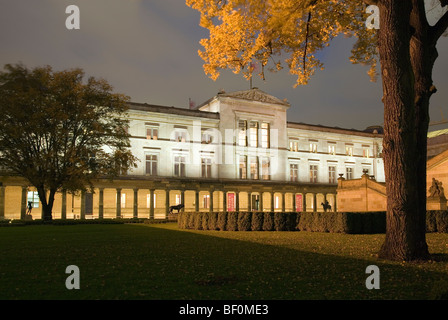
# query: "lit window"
{"type": "Point", "coordinates": [206, 201]}
{"type": "Point", "coordinates": [349, 150]}
{"type": "Point", "coordinates": [294, 145]}
{"type": "Point", "coordinates": [313, 147]}
{"type": "Point", "coordinates": [294, 171]}
{"type": "Point", "coordinates": [253, 130]}
{"type": "Point", "coordinates": [313, 173]}
{"type": "Point", "coordinates": [242, 131]}
{"type": "Point", "coordinates": [180, 136]}
{"type": "Point", "coordinates": [349, 173]}
{"type": "Point", "coordinates": [331, 149]}
{"type": "Point", "coordinates": [33, 197]}
{"type": "Point", "coordinates": [365, 152]}
{"type": "Point", "coordinates": [332, 174]}
{"type": "Point", "coordinates": [152, 133]}
{"type": "Point", "coordinates": [148, 198]}
{"type": "Point", "coordinates": [265, 169]}
{"type": "Point", "coordinates": [265, 135]}
{"type": "Point", "coordinates": [243, 167]}
{"type": "Point", "coordinates": [254, 168]}
{"type": "Point", "coordinates": [179, 166]}
{"type": "Point", "coordinates": [206, 164]}
{"type": "Point", "coordinates": [151, 164]}
{"type": "Point", "coordinates": [207, 137]}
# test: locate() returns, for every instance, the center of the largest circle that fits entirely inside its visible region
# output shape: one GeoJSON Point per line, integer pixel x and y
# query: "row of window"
{"type": "Point", "coordinates": [259, 168]}
{"type": "Point", "coordinates": [294, 146]}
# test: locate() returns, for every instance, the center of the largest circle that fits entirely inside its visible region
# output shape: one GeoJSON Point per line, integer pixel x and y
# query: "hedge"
{"type": "Point", "coordinates": [335, 222]}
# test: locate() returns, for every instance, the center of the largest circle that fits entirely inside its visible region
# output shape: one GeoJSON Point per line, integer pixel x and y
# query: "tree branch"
{"type": "Point", "coordinates": [439, 28]}
{"type": "Point", "coordinates": [371, 2]}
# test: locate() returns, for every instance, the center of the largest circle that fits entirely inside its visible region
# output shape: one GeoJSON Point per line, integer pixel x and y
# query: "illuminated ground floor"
{"type": "Point", "coordinates": [138, 197]}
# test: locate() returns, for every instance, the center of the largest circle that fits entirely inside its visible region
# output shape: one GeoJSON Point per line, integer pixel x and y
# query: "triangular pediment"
{"type": "Point", "coordinates": [255, 94]}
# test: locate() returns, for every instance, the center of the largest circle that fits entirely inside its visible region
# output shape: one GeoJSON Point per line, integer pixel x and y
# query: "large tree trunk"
{"type": "Point", "coordinates": [47, 206]}
{"type": "Point", "coordinates": [405, 231]}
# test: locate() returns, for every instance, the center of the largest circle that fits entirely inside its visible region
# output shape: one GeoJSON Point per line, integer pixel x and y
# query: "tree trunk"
{"type": "Point", "coordinates": [405, 229]}
{"type": "Point", "coordinates": [47, 206]}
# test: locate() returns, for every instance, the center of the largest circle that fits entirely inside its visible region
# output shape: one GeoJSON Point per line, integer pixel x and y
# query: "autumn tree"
{"type": "Point", "coordinates": [60, 132]}
{"type": "Point", "coordinates": [290, 32]}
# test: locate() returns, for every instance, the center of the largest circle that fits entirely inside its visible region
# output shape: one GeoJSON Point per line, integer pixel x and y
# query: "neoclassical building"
{"type": "Point", "coordinates": [236, 151]}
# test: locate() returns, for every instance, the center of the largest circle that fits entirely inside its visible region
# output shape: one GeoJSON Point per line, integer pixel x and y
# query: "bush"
{"type": "Point", "coordinates": [244, 221]}
{"type": "Point", "coordinates": [280, 221]}
{"type": "Point", "coordinates": [197, 221]}
{"type": "Point", "coordinates": [442, 221]}
{"type": "Point", "coordinates": [222, 221]}
{"type": "Point", "coordinates": [431, 222]}
{"type": "Point", "coordinates": [213, 221]}
{"type": "Point", "coordinates": [205, 220]}
{"type": "Point", "coordinates": [268, 221]}
{"type": "Point", "coordinates": [257, 221]}
{"type": "Point", "coordinates": [232, 221]}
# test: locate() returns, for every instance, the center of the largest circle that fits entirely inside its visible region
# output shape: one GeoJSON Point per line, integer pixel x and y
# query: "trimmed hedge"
{"type": "Point", "coordinates": [335, 222]}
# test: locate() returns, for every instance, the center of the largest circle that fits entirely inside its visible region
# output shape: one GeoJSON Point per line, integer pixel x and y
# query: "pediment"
{"type": "Point", "coordinates": [255, 95]}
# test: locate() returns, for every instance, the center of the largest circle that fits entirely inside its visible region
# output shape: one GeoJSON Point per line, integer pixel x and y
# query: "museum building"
{"type": "Point", "coordinates": [234, 152]}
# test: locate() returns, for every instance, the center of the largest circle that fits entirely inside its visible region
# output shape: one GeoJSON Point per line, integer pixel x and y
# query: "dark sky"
{"type": "Point", "coordinates": [148, 50]}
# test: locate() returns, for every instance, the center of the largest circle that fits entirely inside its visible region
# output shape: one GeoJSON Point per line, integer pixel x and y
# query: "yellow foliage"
{"type": "Point", "coordinates": [280, 31]}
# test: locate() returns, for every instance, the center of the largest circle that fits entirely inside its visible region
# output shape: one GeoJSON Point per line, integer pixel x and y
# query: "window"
{"type": "Point", "coordinates": [276, 202]}
{"type": "Point", "coordinates": [313, 173]}
{"type": "Point", "coordinates": [33, 197]}
{"type": "Point", "coordinates": [294, 171]}
{"type": "Point", "coordinates": [332, 149]}
{"type": "Point", "coordinates": [206, 201]}
{"type": "Point", "coordinates": [313, 147]}
{"type": "Point", "coordinates": [243, 167]}
{"type": "Point", "coordinates": [254, 168]}
{"type": "Point", "coordinates": [253, 134]}
{"type": "Point", "coordinates": [148, 198]}
{"type": "Point", "coordinates": [178, 199]}
{"type": "Point", "coordinates": [365, 152]}
{"type": "Point", "coordinates": [180, 136]}
{"type": "Point", "coordinates": [151, 164]}
{"type": "Point", "coordinates": [293, 145]}
{"type": "Point", "coordinates": [179, 166]}
{"type": "Point", "coordinates": [332, 174]}
{"type": "Point", "coordinates": [206, 164]}
{"type": "Point", "coordinates": [349, 150]}
{"type": "Point", "coordinates": [349, 173]}
{"type": "Point", "coordinates": [242, 132]}
{"type": "Point", "coordinates": [152, 133]}
{"type": "Point", "coordinates": [265, 169]}
{"type": "Point", "coordinates": [265, 135]}
{"type": "Point", "coordinates": [207, 137]}
{"type": "Point", "coordinates": [123, 200]}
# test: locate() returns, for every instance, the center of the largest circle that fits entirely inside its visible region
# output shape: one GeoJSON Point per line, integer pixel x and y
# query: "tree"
{"type": "Point", "coordinates": [59, 132]}
{"type": "Point", "coordinates": [243, 31]}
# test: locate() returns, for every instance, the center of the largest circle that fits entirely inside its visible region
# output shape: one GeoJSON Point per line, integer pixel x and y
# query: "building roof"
{"type": "Point", "coordinates": [318, 127]}
{"type": "Point", "coordinates": [173, 110]}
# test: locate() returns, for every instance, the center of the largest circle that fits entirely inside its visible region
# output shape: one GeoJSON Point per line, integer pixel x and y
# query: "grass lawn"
{"type": "Point", "coordinates": [160, 261]}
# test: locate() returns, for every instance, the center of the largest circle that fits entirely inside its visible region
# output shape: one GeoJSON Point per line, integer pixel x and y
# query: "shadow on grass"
{"type": "Point", "coordinates": [150, 262]}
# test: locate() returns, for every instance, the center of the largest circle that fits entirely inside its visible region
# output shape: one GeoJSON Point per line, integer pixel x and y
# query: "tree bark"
{"type": "Point", "coordinates": [404, 128]}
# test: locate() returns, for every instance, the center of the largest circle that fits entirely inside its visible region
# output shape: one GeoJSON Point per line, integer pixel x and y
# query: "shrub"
{"type": "Point", "coordinates": [197, 221]}
{"type": "Point", "coordinates": [190, 220]}
{"type": "Point", "coordinates": [431, 221]}
{"type": "Point", "coordinates": [213, 221]}
{"type": "Point", "coordinates": [268, 221]}
{"type": "Point", "coordinates": [222, 221]}
{"type": "Point", "coordinates": [232, 221]}
{"type": "Point", "coordinates": [244, 221]}
{"type": "Point", "coordinates": [257, 221]}
{"type": "Point", "coordinates": [280, 221]}
{"type": "Point", "coordinates": [205, 220]}
{"type": "Point", "coordinates": [442, 221]}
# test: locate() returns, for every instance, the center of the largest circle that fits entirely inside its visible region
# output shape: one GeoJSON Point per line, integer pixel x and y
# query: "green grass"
{"type": "Point", "coordinates": [162, 262]}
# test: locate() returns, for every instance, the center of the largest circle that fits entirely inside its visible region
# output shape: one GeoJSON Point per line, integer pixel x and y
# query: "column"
{"type": "Point", "coordinates": [293, 202]}
{"type": "Point", "coordinates": [304, 201]}
{"type": "Point", "coordinates": [260, 204]}
{"type": "Point", "coordinates": [83, 204]}
{"type": "Point", "coordinates": [272, 201]}
{"type": "Point", "coordinates": [135, 203]}
{"type": "Point", "coordinates": [101, 204]}
{"type": "Point", "coordinates": [182, 197]}
{"type": "Point", "coordinates": [151, 203]}
{"type": "Point", "coordinates": [118, 206]}
{"type": "Point", "coordinates": [224, 201]}
{"type": "Point", "coordinates": [237, 201]}
{"type": "Point", "coordinates": [167, 202]}
{"type": "Point", "coordinates": [196, 200]}
{"type": "Point", "coordinates": [2, 201]}
{"type": "Point", "coordinates": [249, 201]}
{"type": "Point", "coordinates": [211, 201]}
{"type": "Point", "coordinates": [283, 201]}
{"type": "Point", "coordinates": [314, 202]}
{"type": "Point", "coordinates": [23, 204]}
{"type": "Point", "coordinates": [64, 205]}
{"type": "Point", "coordinates": [335, 202]}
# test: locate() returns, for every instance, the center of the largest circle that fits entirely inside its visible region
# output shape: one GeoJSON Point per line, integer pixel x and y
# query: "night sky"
{"type": "Point", "coordinates": [148, 50]}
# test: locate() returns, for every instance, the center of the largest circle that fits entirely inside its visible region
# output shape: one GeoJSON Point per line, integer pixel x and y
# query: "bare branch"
{"type": "Point", "coordinates": [439, 28]}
